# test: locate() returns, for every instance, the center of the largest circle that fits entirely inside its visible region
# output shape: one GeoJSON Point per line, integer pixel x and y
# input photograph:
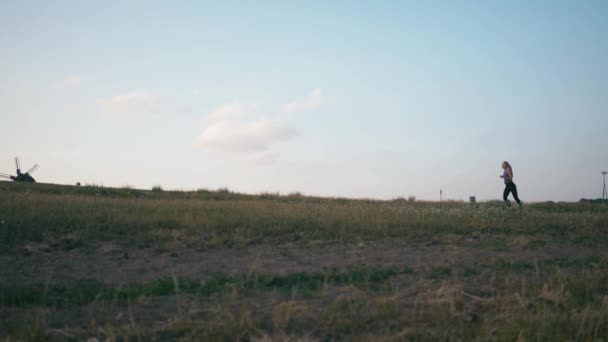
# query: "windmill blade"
{"type": "Point", "coordinates": [17, 164]}
{"type": "Point", "coordinates": [4, 175]}
{"type": "Point", "coordinates": [34, 168]}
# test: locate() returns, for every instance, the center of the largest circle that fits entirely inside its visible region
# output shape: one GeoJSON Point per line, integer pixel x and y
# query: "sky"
{"type": "Point", "coordinates": [365, 99]}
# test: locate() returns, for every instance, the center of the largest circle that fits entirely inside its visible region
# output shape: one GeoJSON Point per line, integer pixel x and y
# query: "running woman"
{"type": "Point", "coordinates": [510, 187]}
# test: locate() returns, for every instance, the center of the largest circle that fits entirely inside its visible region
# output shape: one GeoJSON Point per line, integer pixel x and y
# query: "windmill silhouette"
{"type": "Point", "coordinates": [21, 177]}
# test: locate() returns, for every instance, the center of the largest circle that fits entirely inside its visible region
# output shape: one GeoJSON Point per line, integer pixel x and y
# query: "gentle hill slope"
{"type": "Point", "coordinates": [90, 261]}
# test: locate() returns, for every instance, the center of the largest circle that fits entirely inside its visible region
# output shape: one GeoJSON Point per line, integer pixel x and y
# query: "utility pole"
{"type": "Point", "coordinates": [440, 194]}
{"type": "Point", "coordinates": [604, 192]}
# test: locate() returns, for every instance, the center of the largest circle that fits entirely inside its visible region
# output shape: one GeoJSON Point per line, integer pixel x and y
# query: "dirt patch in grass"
{"type": "Point", "coordinates": [113, 264]}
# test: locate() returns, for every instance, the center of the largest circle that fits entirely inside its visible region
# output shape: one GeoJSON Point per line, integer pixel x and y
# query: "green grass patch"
{"type": "Point", "coordinates": [439, 273]}
{"type": "Point", "coordinates": [216, 219]}
{"type": "Point", "coordinates": [88, 291]}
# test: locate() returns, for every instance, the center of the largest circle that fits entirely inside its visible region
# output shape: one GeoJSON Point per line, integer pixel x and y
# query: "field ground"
{"type": "Point", "coordinates": [92, 262]}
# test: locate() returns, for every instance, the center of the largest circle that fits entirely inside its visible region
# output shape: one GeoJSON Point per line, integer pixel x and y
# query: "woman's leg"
{"type": "Point", "coordinates": [514, 191]}
{"type": "Point", "coordinates": [505, 194]}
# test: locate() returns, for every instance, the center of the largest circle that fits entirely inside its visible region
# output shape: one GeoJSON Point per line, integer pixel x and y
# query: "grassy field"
{"type": "Point", "coordinates": [84, 262]}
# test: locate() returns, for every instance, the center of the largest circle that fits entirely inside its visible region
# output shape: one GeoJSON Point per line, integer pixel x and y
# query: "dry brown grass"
{"type": "Point", "coordinates": [501, 297]}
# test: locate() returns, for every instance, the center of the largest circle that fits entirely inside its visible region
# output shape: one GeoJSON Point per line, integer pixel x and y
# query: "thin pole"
{"type": "Point", "coordinates": [604, 192]}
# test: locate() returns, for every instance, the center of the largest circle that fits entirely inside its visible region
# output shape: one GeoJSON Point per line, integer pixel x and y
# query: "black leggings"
{"type": "Point", "coordinates": [510, 188]}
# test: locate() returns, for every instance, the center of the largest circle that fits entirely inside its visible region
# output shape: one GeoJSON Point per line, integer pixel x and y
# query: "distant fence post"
{"type": "Point", "coordinates": [472, 199]}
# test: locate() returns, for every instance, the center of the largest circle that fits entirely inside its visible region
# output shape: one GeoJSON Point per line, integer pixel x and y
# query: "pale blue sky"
{"type": "Point", "coordinates": [336, 98]}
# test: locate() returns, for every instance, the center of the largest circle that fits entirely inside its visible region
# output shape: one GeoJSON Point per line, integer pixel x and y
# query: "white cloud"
{"type": "Point", "coordinates": [229, 111]}
{"type": "Point", "coordinates": [234, 135]}
{"type": "Point", "coordinates": [312, 102]}
{"type": "Point", "coordinates": [196, 91]}
{"type": "Point", "coordinates": [228, 130]}
{"type": "Point", "coordinates": [136, 102]}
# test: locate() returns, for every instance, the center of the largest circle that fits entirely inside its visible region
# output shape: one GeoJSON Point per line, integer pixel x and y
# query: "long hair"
{"type": "Point", "coordinates": [508, 166]}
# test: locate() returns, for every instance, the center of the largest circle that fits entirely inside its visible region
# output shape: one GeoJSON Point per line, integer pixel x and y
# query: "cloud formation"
{"type": "Point", "coordinates": [229, 111]}
{"type": "Point", "coordinates": [312, 102]}
{"type": "Point", "coordinates": [234, 128]}
{"type": "Point", "coordinates": [136, 102]}
{"type": "Point", "coordinates": [233, 134]}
